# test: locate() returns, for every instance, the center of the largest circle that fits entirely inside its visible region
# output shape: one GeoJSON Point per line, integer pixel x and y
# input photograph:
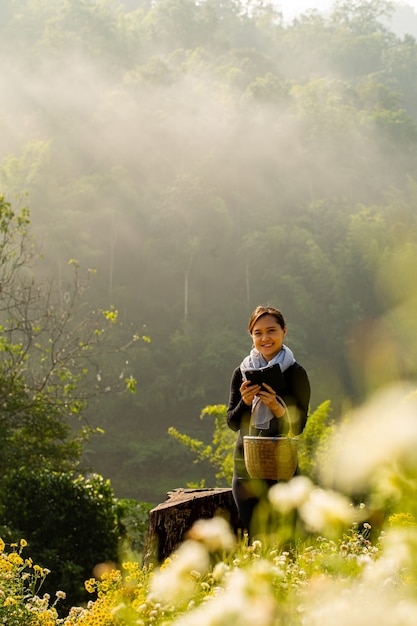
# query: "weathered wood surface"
{"type": "Point", "coordinates": [170, 520]}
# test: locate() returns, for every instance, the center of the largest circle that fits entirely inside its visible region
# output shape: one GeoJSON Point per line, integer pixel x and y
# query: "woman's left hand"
{"type": "Point", "coordinates": [268, 396]}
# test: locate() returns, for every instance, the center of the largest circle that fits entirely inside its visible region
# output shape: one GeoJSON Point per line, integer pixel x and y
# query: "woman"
{"type": "Point", "coordinates": [267, 328]}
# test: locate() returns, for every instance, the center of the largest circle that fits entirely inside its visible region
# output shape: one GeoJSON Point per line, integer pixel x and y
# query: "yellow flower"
{"type": "Point", "coordinates": [402, 519]}
{"type": "Point", "coordinates": [5, 565]}
{"type": "Point", "coordinates": [15, 558]}
{"type": "Point", "coordinates": [90, 585]}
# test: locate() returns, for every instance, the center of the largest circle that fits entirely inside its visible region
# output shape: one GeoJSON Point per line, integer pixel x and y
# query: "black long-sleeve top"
{"type": "Point", "coordinates": [296, 395]}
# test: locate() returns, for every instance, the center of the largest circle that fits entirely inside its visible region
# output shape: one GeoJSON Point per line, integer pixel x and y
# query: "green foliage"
{"type": "Point", "coordinates": [220, 454]}
{"type": "Point", "coordinates": [313, 446]}
{"type": "Point", "coordinates": [70, 524]}
{"type": "Point", "coordinates": [187, 99]}
{"type": "Point", "coordinates": [33, 431]}
{"type": "Point", "coordinates": [132, 519]}
{"type": "Point", "coordinates": [315, 441]}
{"type": "Point", "coordinates": [51, 356]}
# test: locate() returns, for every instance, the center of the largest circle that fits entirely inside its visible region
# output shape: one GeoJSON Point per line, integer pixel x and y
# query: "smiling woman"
{"type": "Point", "coordinates": [268, 332]}
{"type": "Point", "coordinates": [257, 409]}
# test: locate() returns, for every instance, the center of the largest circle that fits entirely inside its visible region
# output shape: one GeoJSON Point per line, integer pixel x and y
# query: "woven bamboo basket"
{"type": "Point", "coordinates": [272, 458]}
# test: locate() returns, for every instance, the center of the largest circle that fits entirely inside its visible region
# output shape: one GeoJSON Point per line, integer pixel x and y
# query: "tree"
{"type": "Point", "coordinates": [51, 357]}
{"type": "Point", "coordinates": [362, 16]}
{"type": "Point", "coordinates": [51, 364]}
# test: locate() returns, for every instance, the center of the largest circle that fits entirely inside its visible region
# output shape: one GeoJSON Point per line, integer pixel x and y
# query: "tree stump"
{"type": "Point", "coordinates": [170, 520]}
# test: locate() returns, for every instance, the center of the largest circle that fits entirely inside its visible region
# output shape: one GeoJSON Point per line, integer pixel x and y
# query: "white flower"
{"type": "Point", "coordinates": [374, 438]}
{"type": "Point", "coordinates": [175, 582]}
{"type": "Point", "coordinates": [215, 533]}
{"type": "Point", "coordinates": [220, 570]}
{"type": "Point", "coordinates": [247, 599]}
{"type": "Point", "coordinates": [399, 551]}
{"type": "Point", "coordinates": [326, 510]}
{"type": "Point", "coordinates": [360, 605]}
{"type": "Point", "coordinates": [286, 497]}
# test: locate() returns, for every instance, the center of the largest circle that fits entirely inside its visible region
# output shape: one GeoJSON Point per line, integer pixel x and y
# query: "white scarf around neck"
{"type": "Point", "coordinates": [262, 415]}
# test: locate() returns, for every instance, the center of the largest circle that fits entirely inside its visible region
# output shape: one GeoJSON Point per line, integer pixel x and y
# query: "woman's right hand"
{"type": "Point", "coordinates": [248, 392]}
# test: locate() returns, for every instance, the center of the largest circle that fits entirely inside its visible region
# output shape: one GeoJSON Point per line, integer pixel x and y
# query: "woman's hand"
{"type": "Point", "coordinates": [268, 396]}
{"type": "Point", "coordinates": [248, 392]}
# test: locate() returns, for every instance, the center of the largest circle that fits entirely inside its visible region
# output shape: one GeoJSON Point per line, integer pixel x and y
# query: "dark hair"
{"type": "Point", "coordinates": [265, 310]}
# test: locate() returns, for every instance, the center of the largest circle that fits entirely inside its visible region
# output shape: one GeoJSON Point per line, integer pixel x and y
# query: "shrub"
{"type": "Point", "coordinates": [133, 523]}
{"type": "Point", "coordinates": [70, 524]}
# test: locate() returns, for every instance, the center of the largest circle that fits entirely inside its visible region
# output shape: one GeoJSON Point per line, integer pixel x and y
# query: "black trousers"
{"type": "Point", "coordinates": [250, 495]}
{"type": "Point", "coordinates": [258, 516]}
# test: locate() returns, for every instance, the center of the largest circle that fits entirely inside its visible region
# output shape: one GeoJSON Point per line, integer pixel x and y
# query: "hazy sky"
{"type": "Point", "coordinates": [291, 8]}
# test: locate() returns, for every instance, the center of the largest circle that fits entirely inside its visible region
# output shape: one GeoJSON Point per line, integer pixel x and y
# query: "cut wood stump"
{"type": "Point", "coordinates": [170, 520]}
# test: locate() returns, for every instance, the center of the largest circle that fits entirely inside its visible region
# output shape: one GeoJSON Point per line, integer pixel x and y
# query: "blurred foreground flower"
{"type": "Point", "coordinates": [326, 511]}
{"type": "Point", "coordinates": [380, 435]}
{"type": "Point", "coordinates": [214, 533]}
{"type": "Point", "coordinates": [399, 555]}
{"type": "Point", "coordinates": [246, 599]}
{"type": "Point", "coordinates": [322, 511]}
{"type": "Point", "coordinates": [175, 582]}
{"type": "Point", "coordinates": [359, 605]}
{"type": "Point", "coordinates": [287, 497]}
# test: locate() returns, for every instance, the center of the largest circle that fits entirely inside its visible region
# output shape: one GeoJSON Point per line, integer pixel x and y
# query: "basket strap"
{"type": "Point", "coordinates": [251, 413]}
{"type": "Point", "coordinates": [290, 434]}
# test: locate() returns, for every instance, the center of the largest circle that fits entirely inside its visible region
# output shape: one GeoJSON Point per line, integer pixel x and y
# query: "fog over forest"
{"type": "Point", "coordinates": [204, 158]}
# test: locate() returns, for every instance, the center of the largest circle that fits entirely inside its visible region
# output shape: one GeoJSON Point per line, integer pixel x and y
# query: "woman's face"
{"type": "Point", "coordinates": [268, 336]}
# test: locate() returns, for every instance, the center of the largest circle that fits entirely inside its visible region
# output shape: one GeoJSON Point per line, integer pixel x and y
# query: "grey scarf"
{"type": "Point", "coordinates": [262, 415]}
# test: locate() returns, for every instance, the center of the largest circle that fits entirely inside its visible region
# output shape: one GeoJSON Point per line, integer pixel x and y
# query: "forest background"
{"type": "Point", "coordinates": [205, 157]}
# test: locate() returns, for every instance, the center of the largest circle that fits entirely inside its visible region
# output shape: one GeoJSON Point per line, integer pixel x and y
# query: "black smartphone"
{"type": "Point", "coordinates": [271, 375]}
